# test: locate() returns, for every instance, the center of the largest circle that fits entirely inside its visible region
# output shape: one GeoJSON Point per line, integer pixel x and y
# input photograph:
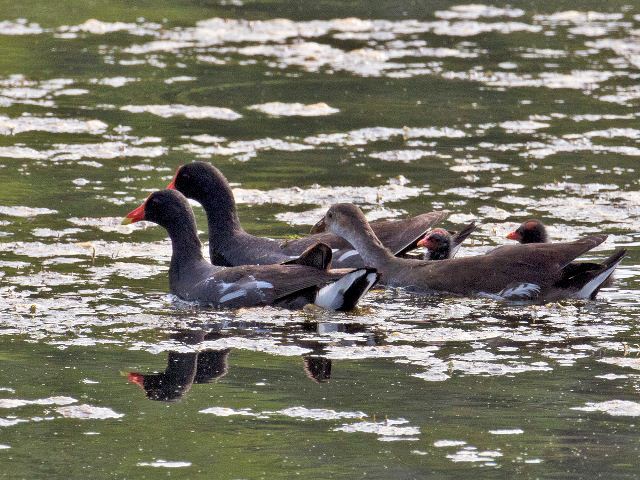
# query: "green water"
{"type": "Point", "coordinates": [495, 113]}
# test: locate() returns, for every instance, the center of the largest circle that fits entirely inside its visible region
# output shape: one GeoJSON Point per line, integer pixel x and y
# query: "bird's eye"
{"type": "Point", "coordinates": [329, 215]}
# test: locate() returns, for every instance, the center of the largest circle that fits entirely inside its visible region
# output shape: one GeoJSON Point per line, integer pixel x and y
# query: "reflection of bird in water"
{"type": "Point", "coordinates": [183, 370]}
{"type": "Point", "coordinates": [186, 369]}
{"type": "Point", "coordinates": [318, 369]}
{"type": "Point", "coordinates": [212, 365]}
{"type": "Point", "coordinates": [171, 384]}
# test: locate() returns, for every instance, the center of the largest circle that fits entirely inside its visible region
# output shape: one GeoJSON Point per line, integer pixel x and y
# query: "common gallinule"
{"type": "Point", "coordinates": [305, 280]}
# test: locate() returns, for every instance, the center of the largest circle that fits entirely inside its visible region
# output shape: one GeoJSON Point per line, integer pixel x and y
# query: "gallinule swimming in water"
{"type": "Point", "coordinates": [534, 231]}
{"type": "Point", "coordinates": [442, 244]}
{"type": "Point", "coordinates": [306, 280]}
{"type": "Point", "coordinates": [531, 231]}
{"type": "Point", "coordinates": [536, 270]}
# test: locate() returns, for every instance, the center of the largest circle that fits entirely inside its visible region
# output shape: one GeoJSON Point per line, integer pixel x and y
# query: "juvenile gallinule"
{"type": "Point", "coordinates": [531, 231]}
{"type": "Point", "coordinates": [442, 244]}
{"type": "Point", "coordinates": [534, 231]}
{"type": "Point", "coordinates": [539, 268]}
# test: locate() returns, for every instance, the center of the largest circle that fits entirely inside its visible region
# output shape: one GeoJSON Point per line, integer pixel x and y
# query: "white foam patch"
{"type": "Point", "coordinates": [577, 17]}
{"type": "Point", "coordinates": [98, 27]}
{"type": "Point", "coordinates": [267, 345]}
{"type": "Point", "coordinates": [19, 26]}
{"type": "Point", "coordinates": [10, 422]}
{"type": "Point", "coordinates": [24, 212]}
{"type": "Point", "coordinates": [285, 43]}
{"type": "Point", "coordinates": [364, 136]}
{"type": "Point", "coordinates": [475, 11]}
{"type": "Point", "coordinates": [179, 78]}
{"type": "Point", "coordinates": [115, 82]}
{"type": "Point", "coordinates": [280, 109]}
{"type": "Point", "coordinates": [188, 111]}
{"type": "Point", "coordinates": [302, 413]}
{"type": "Point", "coordinates": [448, 443]}
{"type": "Point", "coordinates": [229, 412]}
{"type": "Point", "coordinates": [388, 430]}
{"type": "Point", "coordinates": [523, 126]}
{"type": "Point", "coordinates": [107, 224]}
{"type": "Point", "coordinates": [393, 190]}
{"type": "Point", "coordinates": [244, 150]}
{"type": "Point", "coordinates": [630, 133]}
{"type": "Point", "coordinates": [630, 362]}
{"type": "Point", "coordinates": [88, 412]}
{"type": "Point", "coordinates": [16, 403]}
{"type": "Point", "coordinates": [317, 413]}
{"type": "Point", "coordinates": [616, 408]}
{"type": "Point", "coordinates": [472, 455]}
{"type": "Point", "coordinates": [577, 79]}
{"type": "Point", "coordinates": [507, 431]}
{"type": "Point", "coordinates": [404, 156]}
{"type": "Point", "coordinates": [470, 28]}
{"type": "Point", "coordinates": [611, 376]}
{"type": "Point", "coordinates": [104, 150]}
{"type": "Point", "coordinates": [164, 464]}
{"type": "Point", "coordinates": [28, 123]}
{"type": "Point", "coordinates": [128, 270]}
{"type": "Point", "coordinates": [539, 150]}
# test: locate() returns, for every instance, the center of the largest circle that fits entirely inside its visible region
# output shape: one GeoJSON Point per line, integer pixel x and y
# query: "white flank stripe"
{"type": "Point", "coordinates": [522, 290]}
{"type": "Point", "coordinates": [347, 254]}
{"type": "Point", "coordinates": [232, 295]}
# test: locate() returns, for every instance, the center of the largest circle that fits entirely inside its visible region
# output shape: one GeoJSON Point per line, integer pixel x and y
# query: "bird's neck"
{"type": "Point", "coordinates": [364, 240]}
{"type": "Point", "coordinates": [186, 247]}
{"type": "Point", "coordinates": [222, 216]}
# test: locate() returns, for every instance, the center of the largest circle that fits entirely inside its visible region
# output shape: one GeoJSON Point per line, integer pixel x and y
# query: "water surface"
{"type": "Point", "coordinates": [496, 113]}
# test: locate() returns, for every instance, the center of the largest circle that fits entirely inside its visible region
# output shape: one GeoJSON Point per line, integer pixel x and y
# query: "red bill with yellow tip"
{"type": "Point", "coordinates": [514, 236]}
{"type": "Point", "coordinates": [134, 215]}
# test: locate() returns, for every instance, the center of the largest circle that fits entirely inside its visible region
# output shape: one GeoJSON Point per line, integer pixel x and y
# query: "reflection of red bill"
{"type": "Point", "coordinates": [136, 378]}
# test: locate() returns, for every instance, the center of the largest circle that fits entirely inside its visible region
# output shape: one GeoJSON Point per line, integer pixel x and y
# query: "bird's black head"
{"type": "Point", "coordinates": [203, 183]}
{"type": "Point", "coordinates": [531, 231]}
{"type": "Point", "coordinates": [438, 242]}
{"type": "Point", "coordinates": [167, 208]}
